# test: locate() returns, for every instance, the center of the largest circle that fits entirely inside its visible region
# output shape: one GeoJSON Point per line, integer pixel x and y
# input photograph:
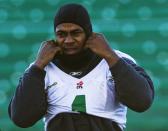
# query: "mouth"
{"type": "Point", "coordinates": [70, 50]}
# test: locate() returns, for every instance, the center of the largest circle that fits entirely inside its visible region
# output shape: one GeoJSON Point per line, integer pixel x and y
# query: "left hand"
{"type": "Point", "coordinates": [99, 45]}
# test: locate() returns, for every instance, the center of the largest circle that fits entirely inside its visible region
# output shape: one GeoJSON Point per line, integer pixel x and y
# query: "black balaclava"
{"type": "Point", "coordinates": [77, 14]}
{"type": "Point", "coordinates": [74, 13]}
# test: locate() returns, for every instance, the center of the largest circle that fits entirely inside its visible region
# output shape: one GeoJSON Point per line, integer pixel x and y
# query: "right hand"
{"type": "Point", "coordinates": [46, 53]}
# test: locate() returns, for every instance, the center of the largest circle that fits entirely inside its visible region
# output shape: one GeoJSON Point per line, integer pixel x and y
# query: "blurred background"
{"type": "Point", "coordinates": [136, 27]}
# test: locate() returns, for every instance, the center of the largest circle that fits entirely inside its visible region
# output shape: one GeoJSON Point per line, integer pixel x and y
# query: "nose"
{"type": "Point", "coordinates": [69, 39]}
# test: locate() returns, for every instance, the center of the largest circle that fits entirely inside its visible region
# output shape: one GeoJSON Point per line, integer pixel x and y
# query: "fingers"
{"type": "Point", "coordinates": [51, 46]}
{"type": "Point", "coordinates": [49, 43]}
{"type": "Point", "coordinates": [90, 40]}
{"type": "Point", "coordinates": [96, 35]}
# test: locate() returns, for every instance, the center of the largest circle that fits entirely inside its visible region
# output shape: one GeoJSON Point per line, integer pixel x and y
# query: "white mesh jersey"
{"type": "Point", "coordinates": [94, 93]}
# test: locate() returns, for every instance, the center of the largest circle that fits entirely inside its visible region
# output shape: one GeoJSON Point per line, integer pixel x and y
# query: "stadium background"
{"type": "Point", "coordinates": [137, 27]}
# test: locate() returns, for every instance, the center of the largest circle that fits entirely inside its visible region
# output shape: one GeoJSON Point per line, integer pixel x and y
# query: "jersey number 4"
{"type": "Point", "coordinates": [79, 103]}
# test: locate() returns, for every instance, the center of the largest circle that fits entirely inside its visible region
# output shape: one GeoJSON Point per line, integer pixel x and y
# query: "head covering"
{"type": "Point", "coordinates": [74, 13]}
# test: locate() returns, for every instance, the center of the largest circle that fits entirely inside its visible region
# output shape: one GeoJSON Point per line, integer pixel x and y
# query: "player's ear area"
{"type": "Point", "coordinates": [89, 40]}
{"type": "Point", "coordinates": [93, 35]}
{"type": "Point", "coordinates": [56, 42]}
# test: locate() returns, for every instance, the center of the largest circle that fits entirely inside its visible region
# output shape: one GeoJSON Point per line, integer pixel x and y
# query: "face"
{"type": "Point", "coordinates": [71, 38]}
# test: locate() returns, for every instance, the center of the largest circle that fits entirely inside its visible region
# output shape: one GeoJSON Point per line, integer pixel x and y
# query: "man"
{"type": "Point", "coordinates": [78, 83]}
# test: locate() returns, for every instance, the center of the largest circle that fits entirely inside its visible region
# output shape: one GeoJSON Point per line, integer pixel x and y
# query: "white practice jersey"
{"type": "Point", "coordinates": [94, 93]}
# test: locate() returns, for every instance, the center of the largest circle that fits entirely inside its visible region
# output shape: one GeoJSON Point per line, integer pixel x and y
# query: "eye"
{"type": "Point", "coordinates": [61, 34]}
{"type": "Point", "coordinates": [76, 33]}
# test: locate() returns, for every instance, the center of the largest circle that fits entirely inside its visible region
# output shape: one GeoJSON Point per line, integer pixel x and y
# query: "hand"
{"type": "Point", "coordinates": [99, 45]}
{"type": "Point", "coordinates": [46, 53]}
